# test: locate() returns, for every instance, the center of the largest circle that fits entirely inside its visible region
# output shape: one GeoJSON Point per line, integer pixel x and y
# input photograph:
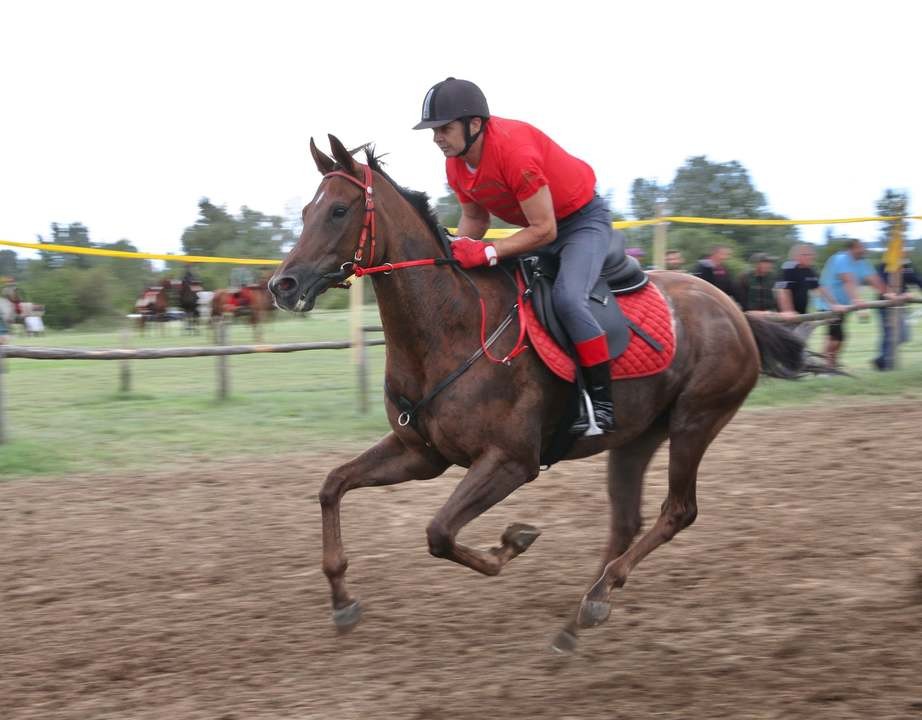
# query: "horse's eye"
{"type": "Point", "coordinates": [339, 211]}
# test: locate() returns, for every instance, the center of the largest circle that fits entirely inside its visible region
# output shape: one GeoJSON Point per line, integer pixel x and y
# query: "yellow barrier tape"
{"type": "Point", "coordinates": [493, 233]}
{"type": "Point", "coordinates": [51, 247]}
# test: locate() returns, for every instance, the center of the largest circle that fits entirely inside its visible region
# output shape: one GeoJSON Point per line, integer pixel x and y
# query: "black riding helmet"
{"type": "Point", "coordinates": [454, 99]}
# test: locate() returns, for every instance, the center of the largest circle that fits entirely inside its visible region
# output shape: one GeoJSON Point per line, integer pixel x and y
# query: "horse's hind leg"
{"type": "Point", "coordinates": [490, 479]}
{"type": "Point", "coordinates": [626, 468]}
{"type": "Point", "coordinates": [387, 463]}
{"type": "Point", "coordinates": [690, 434]}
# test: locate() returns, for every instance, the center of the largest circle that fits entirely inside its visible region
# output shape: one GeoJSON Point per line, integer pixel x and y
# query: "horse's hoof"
{"type": "Point", "coordinates": [520, 536]}
{"type": "Point", "coordinates": [346, 618]}
{"type": "Point", "coordinates": [564, 643]}
{"type": "Point", "coordinates": [593, 612]}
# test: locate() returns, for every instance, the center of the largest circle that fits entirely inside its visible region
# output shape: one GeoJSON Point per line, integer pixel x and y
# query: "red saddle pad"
{"type": "Point", "coordinates": [646, 308]}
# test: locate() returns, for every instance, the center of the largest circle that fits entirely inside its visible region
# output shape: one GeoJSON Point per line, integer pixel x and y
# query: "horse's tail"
{"type": "Point", "coordinates": [783, 354]}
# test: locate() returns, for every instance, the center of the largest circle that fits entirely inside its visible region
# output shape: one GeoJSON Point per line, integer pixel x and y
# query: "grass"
{"type": "Point", "coordinates": [68, 417]}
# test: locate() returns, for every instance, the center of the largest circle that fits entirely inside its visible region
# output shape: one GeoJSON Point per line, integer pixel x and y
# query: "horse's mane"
{"type": "Point", "coordinates": [419, 200]}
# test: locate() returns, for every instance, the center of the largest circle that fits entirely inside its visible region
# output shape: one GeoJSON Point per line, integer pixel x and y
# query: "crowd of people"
{"type": "Point", "coordinates": [788, 289]}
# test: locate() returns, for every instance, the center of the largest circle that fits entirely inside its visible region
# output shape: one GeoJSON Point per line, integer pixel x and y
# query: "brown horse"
{"type": "Point", "coordinates": [152, 305]}
{"type": "Point", "coordinates": [495, 419]}
{"type": "Point", "coordinates": [252, 302]}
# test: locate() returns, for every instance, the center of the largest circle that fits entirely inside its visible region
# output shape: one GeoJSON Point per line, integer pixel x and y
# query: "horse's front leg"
{"type": "Point", "coordinates": [492, 477]}
{"type": "Point", "coordinates": [387, 463]}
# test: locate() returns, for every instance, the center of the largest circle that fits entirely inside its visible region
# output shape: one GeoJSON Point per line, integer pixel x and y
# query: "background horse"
{"type": "Point", "coordinates": [251, 302]}
{"type": "Point", "coordinates": [189, 303]}
{"type": "Point", "coordinates": [497, 419]}
{"type": "Point", "coordinates": [152, 306]}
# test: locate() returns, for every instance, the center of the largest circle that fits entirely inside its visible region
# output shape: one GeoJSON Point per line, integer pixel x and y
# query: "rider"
{"type": "Point", "coordinates": [514, 171]}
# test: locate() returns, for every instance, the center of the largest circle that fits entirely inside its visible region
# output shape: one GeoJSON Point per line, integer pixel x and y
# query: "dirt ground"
{"type": "Point", "coordinates": [198, 594]}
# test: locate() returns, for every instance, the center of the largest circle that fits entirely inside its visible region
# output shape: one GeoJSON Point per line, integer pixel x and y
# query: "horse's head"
{"type": "Point", "coordinates": [339, 231]}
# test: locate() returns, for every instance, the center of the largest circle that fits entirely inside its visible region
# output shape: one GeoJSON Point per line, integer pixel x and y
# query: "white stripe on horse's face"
{"type": "Point", "coordinates": [319, 197]}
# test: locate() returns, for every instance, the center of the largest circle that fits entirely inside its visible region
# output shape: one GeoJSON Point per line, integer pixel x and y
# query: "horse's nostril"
{"type": "Point", "coordinates": [284, 284]}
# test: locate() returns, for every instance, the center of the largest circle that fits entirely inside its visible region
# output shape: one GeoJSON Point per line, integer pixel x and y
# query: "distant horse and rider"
{"type": "Point", "coordinates": [250, 301]}
{"type": "Point", "coordinates": [153, 306]}
{"type": "Point", "coordinates": [448, 404]}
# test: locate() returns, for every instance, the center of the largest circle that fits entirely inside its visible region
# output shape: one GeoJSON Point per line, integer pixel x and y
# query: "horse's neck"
{"type": "Point", "coordinates": [427, 309]}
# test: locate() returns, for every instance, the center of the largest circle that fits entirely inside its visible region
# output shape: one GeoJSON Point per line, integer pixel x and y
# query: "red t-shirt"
{"type": "Point", "coordinates": [517, 161]}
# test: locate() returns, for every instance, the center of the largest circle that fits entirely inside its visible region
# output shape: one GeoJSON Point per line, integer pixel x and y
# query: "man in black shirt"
{"type": "Point", "coordinates": [713, 270]}
{"type": "Point", "coordinates": [797, 280]}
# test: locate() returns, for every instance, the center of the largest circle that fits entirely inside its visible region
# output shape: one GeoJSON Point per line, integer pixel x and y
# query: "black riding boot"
{"type": "Point", "coordinates": [598, 386]}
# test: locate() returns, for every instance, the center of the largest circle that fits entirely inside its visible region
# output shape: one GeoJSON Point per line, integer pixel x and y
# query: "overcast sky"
{"type": "Point", "coordinates": [122, 115]}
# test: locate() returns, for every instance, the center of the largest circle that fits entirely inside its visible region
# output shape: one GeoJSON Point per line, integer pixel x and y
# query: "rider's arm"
{"type": "Point", "coordinates": [541, 230]}
{"type": "Point", "coordinates": [474, 222]}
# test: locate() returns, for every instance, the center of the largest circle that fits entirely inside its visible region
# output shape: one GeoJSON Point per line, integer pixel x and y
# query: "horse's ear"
{"type": "Point", "coordinates": [324, 162]}
{"type": "Point", "coordinates": [342, 156]}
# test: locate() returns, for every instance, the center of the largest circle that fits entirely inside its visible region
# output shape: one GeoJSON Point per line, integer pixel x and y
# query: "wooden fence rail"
{"type": "Point", "coordinates": [221, 351]}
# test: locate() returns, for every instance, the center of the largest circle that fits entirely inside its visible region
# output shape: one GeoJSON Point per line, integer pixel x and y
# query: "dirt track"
{"type": "Point", "coordinates": [798, 592]}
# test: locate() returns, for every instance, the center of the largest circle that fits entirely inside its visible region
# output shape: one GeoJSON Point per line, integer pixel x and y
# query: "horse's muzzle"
{"type": "Point", "coordinates": [298, 290]}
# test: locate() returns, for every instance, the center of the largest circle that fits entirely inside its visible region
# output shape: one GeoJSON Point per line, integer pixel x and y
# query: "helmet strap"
{"type": "Point", "coordinates": [468, 138]}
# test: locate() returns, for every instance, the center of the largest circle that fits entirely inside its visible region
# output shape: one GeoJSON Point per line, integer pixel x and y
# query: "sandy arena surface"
{"type": "Point", "coordinates": [198, 594]}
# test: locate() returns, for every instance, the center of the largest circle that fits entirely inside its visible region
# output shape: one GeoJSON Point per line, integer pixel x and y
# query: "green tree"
{"type": "Point", "coordinates": [702, 188]}
{"type": "Point", "coordinates": [251, 234]}
{"type": "Point", "coordinates": [75, 234]}
{"type": "Point", "coordinates": [9, 263]}
{"type": "Point", "coordinates": [892, 203]}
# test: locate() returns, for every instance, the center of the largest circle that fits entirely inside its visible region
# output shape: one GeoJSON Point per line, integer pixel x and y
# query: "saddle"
{"type": "Point", "coordinates": [620, 276]}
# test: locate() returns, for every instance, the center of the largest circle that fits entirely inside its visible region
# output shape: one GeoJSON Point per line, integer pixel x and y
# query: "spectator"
{"type": "Point", "coordinates": [908, 276]}
{"type": "Point", "coordinates": [712, 270]}
{"type": "Point", "coordinates": [757, 286]}
{"type": "Point", "coordinates": [675, 261]}
{"type": "Point", "coordinates": [842, 276]}
{"type": "Point", "coordinates": [798, 279]}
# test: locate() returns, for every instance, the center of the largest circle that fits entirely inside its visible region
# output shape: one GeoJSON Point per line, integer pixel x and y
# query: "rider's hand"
{"type": "Point", "coordinates": [473, 253]}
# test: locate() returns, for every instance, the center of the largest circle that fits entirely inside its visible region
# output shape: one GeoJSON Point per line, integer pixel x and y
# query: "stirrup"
{"type": "Point", "coordinates": [586, 418]}
{"type": "Point", "coordinates": [593, 428]}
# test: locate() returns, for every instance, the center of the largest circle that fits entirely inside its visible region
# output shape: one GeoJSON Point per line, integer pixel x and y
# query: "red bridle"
{"type": "Point", "coordinates": [368, 226]}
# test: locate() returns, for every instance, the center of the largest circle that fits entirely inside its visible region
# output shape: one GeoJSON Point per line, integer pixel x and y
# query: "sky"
{"type": "Point", "coordinates": [122, 115]}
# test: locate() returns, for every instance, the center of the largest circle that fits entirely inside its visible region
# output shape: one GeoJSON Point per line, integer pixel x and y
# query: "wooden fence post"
{"type": "Point", "coordinates": [223, 378]}
{"type": "Point", "coordinates": [2, 409]}
{"type": "Point", "coordinates": [362, 367]}
{"type": "Point", "coordinates": [357, 332]}
{"type": "Point", "coordinates": [659, 238]}
{"type": "Point", "coordinates": [124, 385]}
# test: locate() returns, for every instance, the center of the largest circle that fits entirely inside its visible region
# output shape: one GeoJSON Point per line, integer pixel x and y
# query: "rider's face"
{"type": "Point", "coordinates": [450, 137]}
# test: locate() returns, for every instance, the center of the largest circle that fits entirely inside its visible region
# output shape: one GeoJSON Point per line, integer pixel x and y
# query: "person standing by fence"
{"type": "Point", "coordinates": [797, 280]}
{"type": "Point", "coordinates": [891, 336]}
{"type": "Point", "coordinates": [712, 269]}
{"type": "Point", "coordinates": [842, 276]}
{"type": "Point", "coordinates": [757, 286]}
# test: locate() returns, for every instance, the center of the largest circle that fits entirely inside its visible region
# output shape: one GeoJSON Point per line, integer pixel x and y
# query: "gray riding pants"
{"type": "Point", "coordinates": [584, 240]}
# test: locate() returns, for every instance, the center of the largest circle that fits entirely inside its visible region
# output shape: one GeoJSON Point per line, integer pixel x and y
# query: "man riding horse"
{"type": "Point", "coordinates": [514, 171]}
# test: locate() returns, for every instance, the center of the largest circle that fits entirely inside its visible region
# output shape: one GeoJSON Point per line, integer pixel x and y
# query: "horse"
{"type": "Point", "coordinates": [497, 418]}
{"type": "Point", "coordinates": [152, 306]}
{"type": "Point", "coordinates": [189, 303]}
{"type": "Point", "coordinates": [252, 302]}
